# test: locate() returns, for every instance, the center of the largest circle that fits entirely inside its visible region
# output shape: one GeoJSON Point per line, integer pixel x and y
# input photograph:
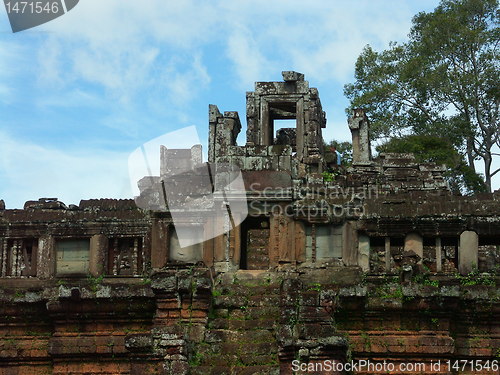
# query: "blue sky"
{"type": "Point", "coordinates": [80, 93]}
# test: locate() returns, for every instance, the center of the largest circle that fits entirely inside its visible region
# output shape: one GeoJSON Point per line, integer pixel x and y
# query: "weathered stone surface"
{"type": "Point", "coordinates": [364, 252]}
{"type": "Point", "coordinates": [468, 252]}
{"type": "Point", "coordinates": [290, 76]}
{"type": "Point", "coordinates": [326, 264]}
{"type": "Point", "coordinates": [414, 242]}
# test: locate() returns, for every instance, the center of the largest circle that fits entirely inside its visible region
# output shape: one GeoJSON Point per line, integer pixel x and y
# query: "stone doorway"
{"type": "Point", "coordinates": [255, 235]}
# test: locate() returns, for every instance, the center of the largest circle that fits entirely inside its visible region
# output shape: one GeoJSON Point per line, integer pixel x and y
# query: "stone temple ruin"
{"type": "Point", "coordinates": [376, 261]}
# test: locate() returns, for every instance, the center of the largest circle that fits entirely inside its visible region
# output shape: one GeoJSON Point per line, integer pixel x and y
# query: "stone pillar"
{"type": "Point", "coordinates": [159, 244]}
{"type": "Point", "coordinates": [300, 241]}
{"type": "Point", "coordinates": [97, 256]}
{"type": "Point", "coordinates": [213, 117]}
{"type": "Point", "coordinates": [299, 134]}
{"type": "Point", "coordinates": [359, 126]}
{"type": "Point", "coordinates": [232, 127]}
{"type": "Point", "coordinates": [3, 256]}
{"type": "Point", "coordinates": [46, 262]}
{"type": "Point", "coordinates": [220, 241]}
{"type": "Point", "coordinates": [439, 266]}
{"type": "Point", "coordinates": [208, 244]}
{"type": "Point", "coordinates": [415, 242]}
{"type": "Point", "coordinates": [253, 106]}
{"type": "Point", "coordinates": [388, 253]}
{"type": "Point", "coordinates": [274, 240]}
{"type": "Point", "coordinates": [235, 245]}
{"type": "Point", "coordinates": [364, 252]}
{"type": "Point", "coordinates": [468, 252]}
{"type": "Point", "coordinates": [223, 131]}
{"type": "Point", "coordinates": [349, 248]}
{"type": "Point", "coordinates": [286, 243]}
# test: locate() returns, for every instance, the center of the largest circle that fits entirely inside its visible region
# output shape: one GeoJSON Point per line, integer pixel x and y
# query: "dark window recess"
{"type": "Point", "coordinates": [125, 256]}
{"type": "Point", "coordinates": [18, 257]}
{"type": "Point", "coordinates": [377, 254]}
{"type": "Point", "coordinates": [429, 248]}
{"type": "Point", "coordinates": [489, 253]}
{"type": "Point", "coordinates": [397, 250]}
{"type": "Point", "coordinates": [255, 243]}
{"type": "Point", "coordinates": [449, 253]}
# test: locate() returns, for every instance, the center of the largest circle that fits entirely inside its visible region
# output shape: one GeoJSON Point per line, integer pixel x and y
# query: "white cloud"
{"type": "Point", "coordinates": [32, 171]}
{"type": "Point", "coordinates": [11, 64]}
{"type": "Point", "coordinates": [71, 98]}
{"type": "Point", "coordinates": [184, 79]}
{"type": "Point", "coordinates": [248, 61]}
{"type": "Point", "coordinates": [51, 70]}
{"type": "Point", "coordinates": [322, 39]}
{"type": "Point", "coordinates": [116, 44]}
{"type": "Point", "coordinates": [120, 45]}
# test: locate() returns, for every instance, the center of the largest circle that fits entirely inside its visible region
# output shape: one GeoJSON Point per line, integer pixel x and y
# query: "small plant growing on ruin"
{"type": "Point", "coordinates": [315, 287]}
{"type": "Point", "coordinates": [94, 282]}
{"type": "Point", "coordinates": [195, 359]}
{"type": "Point", "coordinates": [19, 294]}
{"type": "Point", "coordinates": [424, 279]}
{"type": "Point", "coordinates": [475, 278]}
{"type": "Point", "coordinates": [328, 177]}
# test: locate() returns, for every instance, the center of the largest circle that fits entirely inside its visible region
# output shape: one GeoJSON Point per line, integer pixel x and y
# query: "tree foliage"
{"type": "Point", "coordinates": [443, 82]}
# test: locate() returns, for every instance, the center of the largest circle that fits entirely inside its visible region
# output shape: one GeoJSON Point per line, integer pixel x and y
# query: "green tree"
{"type": "Point", "coordinates": [443, 82]}
{"type": "Point", "coordinates": [427, 148]}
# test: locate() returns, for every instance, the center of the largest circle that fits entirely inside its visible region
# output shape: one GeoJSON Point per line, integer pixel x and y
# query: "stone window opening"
{"type": "Point", "coordinates": [188, 254]}
{"type": "Point", "coordinates": [125, 256]}
{"type": "Point", "coordinates": [449, 254]}
{"type": "Point", "coordinates": [282, 124]}
{"type": "Point", "coordinates": [488, 252]}
{"type": "Point", "coordinates": [382, 261]}
{"type": "Point", "coordinates": [323, 242]}
{"type": "Point", "coordinates": [285, 132]}
{"type": "Point", "coordinates": [18, 257]}
{"type": "Point", "coordinates": [255, 234]}
{"type": "Point", "coordinates": [430, 253]}
{"type": "Point", "coordinates": [396, 253]}
{"type": "Point", "coordinates": [72, 257]}
{"type": "Point", "coordinates": [377, 254]}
